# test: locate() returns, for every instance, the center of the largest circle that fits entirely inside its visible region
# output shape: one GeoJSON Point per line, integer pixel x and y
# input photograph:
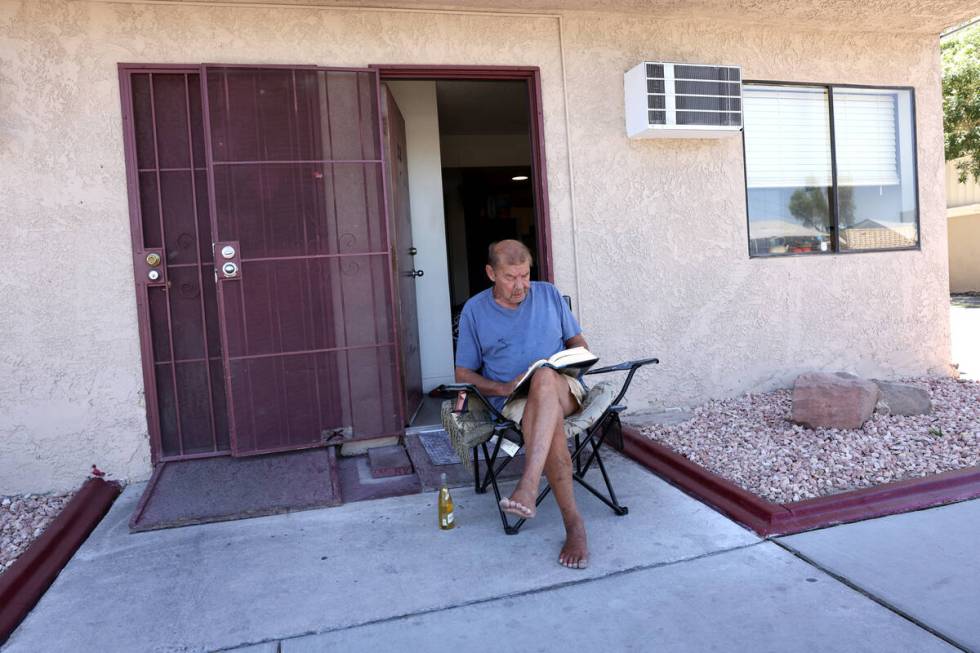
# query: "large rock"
{"type": "Point", "coordinates": [839, 401]}
{"type": "Point", "coordinates": [902, 399]}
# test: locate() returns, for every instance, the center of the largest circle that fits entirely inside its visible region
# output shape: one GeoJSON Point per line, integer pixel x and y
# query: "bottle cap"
{"type": "Point", "coordinates": [442, 478]}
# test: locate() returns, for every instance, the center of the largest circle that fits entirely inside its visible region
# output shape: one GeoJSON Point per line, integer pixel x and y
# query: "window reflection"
{"type": "Point", "coordinates": [875, 169]}
{"type": "Point", "coordinates": [788, 169]}
{"type": "Point", "coordinates": [791, 168]}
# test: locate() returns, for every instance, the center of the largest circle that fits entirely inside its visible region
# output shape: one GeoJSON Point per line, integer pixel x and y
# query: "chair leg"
{"type": "Point", "coordinates": [618, 509]}
{"type": "Point", "coordinates": [476, 471]}
{"type": "Point", "coordinates": [590, 439]}
{"type": "Point", "coordinates": [492, 479]}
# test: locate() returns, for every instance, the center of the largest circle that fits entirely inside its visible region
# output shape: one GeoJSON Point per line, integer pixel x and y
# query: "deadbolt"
{"type": "Point", "coordinates": [229, 269]}
{"type": "Point", "coordinates": [153, 259]}
{"type": "Point", "coordinates": [228, 251]}
{"type": "Point", "coordinates": [412, 251]}
{"type": "Point", "coordinates": [153, 275]}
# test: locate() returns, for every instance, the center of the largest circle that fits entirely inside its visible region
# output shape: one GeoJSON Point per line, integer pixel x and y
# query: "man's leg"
{"type": "Point", "coordinates": [548, 403]}
{"type": "Point", "coordinates": [558, 469]}
{"type": "Point", "coordinates": [546, 449]}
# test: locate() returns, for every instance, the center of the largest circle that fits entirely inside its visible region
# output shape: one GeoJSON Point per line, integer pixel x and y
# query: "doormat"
{"type": "Point", "coordinates": [441, 452]}
{"type": "Point", "coordinates": [219, 489]}
{"type": "Point", "coordinates": [437, 445]}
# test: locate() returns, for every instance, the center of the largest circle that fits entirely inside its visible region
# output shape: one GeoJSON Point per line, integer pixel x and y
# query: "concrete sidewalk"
{"type": "Point", "coordinates": [672, 575]}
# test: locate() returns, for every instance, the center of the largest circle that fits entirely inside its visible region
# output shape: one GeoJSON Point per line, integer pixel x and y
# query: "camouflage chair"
{"type": "Point", "coordinates": [472, 423]}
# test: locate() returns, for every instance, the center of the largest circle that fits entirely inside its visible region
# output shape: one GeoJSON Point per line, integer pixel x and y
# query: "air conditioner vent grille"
{"type": "Point", "coordinates": [708, 118]}
{"type": "Point", "coordinates": [655, 70]}
{"type": "Point", "coordinates": [683, 100]}
{"type": "Point", "coordinates": [656, 86]}
{"type": "Point", "coordinates": [703, 103]}
{"type": "Point", "coordinates": [722, 73]}
{"type": "Point", "coordinates": [728, 89]}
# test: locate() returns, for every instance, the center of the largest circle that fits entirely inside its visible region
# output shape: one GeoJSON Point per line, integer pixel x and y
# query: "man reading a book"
{"type": "Point", "coordinates": [502, 331]}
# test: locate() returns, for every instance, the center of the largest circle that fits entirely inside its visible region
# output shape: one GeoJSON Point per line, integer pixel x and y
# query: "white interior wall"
{"type": "Point", "coordinates": [417, 102]}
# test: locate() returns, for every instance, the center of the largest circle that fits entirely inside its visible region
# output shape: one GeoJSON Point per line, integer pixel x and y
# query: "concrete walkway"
{"type": "Point", "coordinates": [673, 575]}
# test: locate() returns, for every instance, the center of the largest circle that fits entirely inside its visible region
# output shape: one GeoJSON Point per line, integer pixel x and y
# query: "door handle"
{"type": "Point", "coordinates": [414, 273]}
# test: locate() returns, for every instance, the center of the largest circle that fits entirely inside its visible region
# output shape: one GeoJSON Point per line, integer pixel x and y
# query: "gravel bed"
{"type": "Point", "coordinates": [23, 517]}
{"type": "Point", "coordinates": [749, 440]}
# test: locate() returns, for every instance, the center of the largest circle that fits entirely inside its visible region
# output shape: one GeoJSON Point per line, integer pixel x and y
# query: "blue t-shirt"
{"type": "Point", "coordinates": [501, 343]}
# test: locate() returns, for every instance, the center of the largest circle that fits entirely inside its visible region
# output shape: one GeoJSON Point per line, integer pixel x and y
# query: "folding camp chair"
{"type": "Point", "coordinates": [472, 422]}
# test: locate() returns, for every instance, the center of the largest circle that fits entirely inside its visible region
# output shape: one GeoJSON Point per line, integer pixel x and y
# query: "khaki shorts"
{"type": "Point", "coordinates": [514, 410]}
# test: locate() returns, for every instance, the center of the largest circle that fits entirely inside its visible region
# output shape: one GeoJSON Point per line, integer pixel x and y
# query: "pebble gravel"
{"type": "Point", "coordinates": [750, 441]}
{"type": "Point", "coordinates": [23, 517]}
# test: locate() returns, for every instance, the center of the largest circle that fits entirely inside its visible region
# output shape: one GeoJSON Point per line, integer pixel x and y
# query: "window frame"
{"type": "Point", "coordinates": [834, 224]}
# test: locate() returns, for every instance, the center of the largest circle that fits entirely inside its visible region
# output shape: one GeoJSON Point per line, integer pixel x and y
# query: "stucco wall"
{"type": "Point", "coordinates": [658, 264]}
{"type": "Point", "coordinates": [964, 253]}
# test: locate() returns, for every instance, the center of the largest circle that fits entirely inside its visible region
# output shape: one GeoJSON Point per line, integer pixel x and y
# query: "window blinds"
{"type": "Point", "coordinates": [787, 136]}
{"type": "Point", "coordinates": [864, 129]}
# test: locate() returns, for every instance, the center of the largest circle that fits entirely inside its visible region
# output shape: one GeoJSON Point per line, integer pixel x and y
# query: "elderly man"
{"type": "Point", "coordinates": [503, 330]}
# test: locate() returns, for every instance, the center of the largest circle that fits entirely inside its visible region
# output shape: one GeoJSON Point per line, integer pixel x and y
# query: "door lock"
{"type": "Point", "coordinates": [415, 273]}
{"type": "Point", "coordinates": [227, 260]}
{"type": "Point", "coordinates": [153, 260]}
{"type": "Point", "coordinates": [412, 251]}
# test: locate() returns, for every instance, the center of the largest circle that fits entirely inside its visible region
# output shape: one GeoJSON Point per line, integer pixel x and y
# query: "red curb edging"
{"type": "Point", "coordinates": [767, 518]}
{"type": "Point", "coordinates": [25, 581]}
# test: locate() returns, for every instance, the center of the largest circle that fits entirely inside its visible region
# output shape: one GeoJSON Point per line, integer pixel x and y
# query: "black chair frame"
{"type": "Point", "coordinates": [589, 442]}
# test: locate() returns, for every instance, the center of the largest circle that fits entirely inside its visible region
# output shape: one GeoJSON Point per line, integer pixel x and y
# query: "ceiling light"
{"type": "Point", "coordinates": [519, 178]}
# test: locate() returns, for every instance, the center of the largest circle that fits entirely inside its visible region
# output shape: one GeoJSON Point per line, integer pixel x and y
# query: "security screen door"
{"type": "Point", "coordinates": [302, 255]}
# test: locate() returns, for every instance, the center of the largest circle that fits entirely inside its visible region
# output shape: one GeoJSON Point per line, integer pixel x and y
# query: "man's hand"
{"type": "Point", "coordinates": [511, 385]}
{"type": "Point", "coordinates": [485, 385]}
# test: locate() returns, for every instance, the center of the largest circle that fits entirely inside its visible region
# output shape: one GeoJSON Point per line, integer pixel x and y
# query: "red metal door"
{"type": "Point", "coordinates": [171, 231]}
{"type": "Point", "coordinates": [403, 251]}
{"type": "Point", "coordinates": [302, 258]}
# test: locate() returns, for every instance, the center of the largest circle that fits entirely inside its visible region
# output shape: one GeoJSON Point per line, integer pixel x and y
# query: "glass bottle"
{"type": "Point", "coordinates": [447, 519]}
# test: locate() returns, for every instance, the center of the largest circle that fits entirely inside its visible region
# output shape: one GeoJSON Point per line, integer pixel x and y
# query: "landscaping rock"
{"type": "Point", "coordinates": [837, 401]}
{"type": "Point", "coordinates": [902, 399]}
{"type": "Point", "coordinates": [750, 440]}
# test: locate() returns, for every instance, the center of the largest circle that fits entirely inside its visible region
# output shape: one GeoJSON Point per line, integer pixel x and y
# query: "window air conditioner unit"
{"type": "Point", "coordinates": [679, 100]}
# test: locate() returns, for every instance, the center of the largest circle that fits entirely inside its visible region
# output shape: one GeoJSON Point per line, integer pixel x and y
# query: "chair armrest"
{"type": "Point", "coordinates": [622, 367]}
{"type": "Point", "coordinates": [470, 388]}
{"type": "Point", "coordinates": [628, 366]}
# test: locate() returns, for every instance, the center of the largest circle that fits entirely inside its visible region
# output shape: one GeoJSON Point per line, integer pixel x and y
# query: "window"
{"type": "Point", "coordinates": [829, 169]}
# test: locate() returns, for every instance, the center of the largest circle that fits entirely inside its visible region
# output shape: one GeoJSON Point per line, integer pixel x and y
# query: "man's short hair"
{"type": "Point", "coordinates": [508, 252]}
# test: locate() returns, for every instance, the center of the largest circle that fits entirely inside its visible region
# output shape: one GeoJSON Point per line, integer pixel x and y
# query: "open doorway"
{"type": "Point", "coordinates": [474, 178]}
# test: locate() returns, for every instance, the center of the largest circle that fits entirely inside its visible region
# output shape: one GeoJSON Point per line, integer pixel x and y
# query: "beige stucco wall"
{"type": "Point", "coordinates": [963, 211]}
{"type": "Point", "coordinates": [658, 263]}
{"type": "Point", "coordinates": [964, 252]}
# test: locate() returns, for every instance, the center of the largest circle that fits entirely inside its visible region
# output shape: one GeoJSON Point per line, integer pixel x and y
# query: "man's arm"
{"type": "Point", "coordinates": [574, 341]}
{"type": "Point", "coordinates": [483, 384]}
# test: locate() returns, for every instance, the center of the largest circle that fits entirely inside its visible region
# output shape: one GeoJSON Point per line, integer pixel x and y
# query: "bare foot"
{"type": "Point", "coordinates": [520, 503]}
{"type": "Point", "coordinates": [575, 553]}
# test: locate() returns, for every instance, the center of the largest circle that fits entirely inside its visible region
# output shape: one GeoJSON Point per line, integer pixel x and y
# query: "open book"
{"type": "Point", "coordinates": [568, 361]}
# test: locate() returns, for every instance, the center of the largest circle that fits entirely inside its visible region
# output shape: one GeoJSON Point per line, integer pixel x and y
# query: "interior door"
{"type": "Point", "coordinates": [302, 258]}
{"type": "Point", "coordinates": [403, 251]}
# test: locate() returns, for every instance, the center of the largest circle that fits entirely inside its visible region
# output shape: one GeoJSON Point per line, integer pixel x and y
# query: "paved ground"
{"type": "Point", "coordinates": [964, 326]}
{"type": "Point", "coordinates": [673, 575]}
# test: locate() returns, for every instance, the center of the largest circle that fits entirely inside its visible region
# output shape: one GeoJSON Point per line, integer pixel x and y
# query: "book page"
{"type": "Point", "coordinates": [568, 361]}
